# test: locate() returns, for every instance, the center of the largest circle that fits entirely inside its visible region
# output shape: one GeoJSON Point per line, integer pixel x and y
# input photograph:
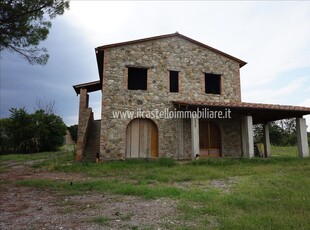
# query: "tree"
{"type": "Point", "coordinates": [258, 133]}
{"type": "Point", "coordinates": [281, 132]}
{"type": "Point", "coordinates": [20, 131]}
{"type": "Point", "coordinates": [73, 129]}
{"type": "Point", "coordinates": [48, 106]}
{"type": "Point", "coordinates": [5, 145]}
{"type": "Point", "coordinates": [289, 125]}
{"type": "Point", "coordinates": [49, 131]}
{"type": "Point", "coordinates": [36, 132]}
{"type": "Point", "coordinates": [276, 134]}
{"type": "Point", "coordinates": [24, 23]}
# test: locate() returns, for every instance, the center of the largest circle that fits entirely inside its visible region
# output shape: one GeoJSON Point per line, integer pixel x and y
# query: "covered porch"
{"type": "Point", "coordinates": [250, 114]}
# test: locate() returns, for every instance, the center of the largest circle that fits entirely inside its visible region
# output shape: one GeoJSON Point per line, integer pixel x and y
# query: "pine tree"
{"type": "Point", "coordinates": [24, 23]}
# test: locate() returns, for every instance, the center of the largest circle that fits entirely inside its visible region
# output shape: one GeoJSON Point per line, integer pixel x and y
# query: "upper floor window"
{"type": "Point", "coordinates": [212, 83]}
{"type": "Point", "coordinates": [174, 81]}
{"type": "Point", "coordinates": [137, 78]}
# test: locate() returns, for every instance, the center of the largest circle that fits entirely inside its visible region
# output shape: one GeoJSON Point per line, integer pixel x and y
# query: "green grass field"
{"type": "Point", "coordinates": [215, 193]}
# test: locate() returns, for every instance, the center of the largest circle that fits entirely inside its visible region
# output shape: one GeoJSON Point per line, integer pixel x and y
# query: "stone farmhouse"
{"type": "Point", "coordinates": [173, 73]}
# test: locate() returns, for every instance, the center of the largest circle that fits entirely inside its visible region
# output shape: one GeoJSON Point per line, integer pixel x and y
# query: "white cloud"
{"type": "Point", "coordinates": [104, 22]}
{"type": "Point", "coordinates": [305, 103]}
{"type": "Point", "coordinates": [274, 94]}
{"type": "Point", "coordinates": [272, 37]}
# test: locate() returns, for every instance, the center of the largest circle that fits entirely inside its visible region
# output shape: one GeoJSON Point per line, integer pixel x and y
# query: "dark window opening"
{"type": "Point", "coordinates": [212, 83]}
{"type": "Point", "coordinates": [137, 78]}
{"type": "Point", "coordinates": [174, 81]}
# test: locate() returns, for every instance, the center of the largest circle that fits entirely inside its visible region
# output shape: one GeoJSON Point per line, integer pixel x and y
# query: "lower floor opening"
{"type": "Point", "coordinates": [141, 139]}
{"type": "Point", "coordinates": [209, 139]}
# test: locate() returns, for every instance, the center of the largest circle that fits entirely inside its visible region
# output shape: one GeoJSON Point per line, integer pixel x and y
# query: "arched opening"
{"type": "Point", "coordinates": [209, 139]}
{"type": "Point", "coordinates": [141, 139]}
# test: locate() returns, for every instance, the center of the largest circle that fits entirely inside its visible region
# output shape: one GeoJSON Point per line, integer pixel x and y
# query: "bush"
{"type": "Point", "coordinates": [282, 133]}
{"type": "Point", "coordinates": [4, 136]}
{"type": "Point", "coordinates": [73, 129]}
{"type": "Point", "coordinates": [37, 132]}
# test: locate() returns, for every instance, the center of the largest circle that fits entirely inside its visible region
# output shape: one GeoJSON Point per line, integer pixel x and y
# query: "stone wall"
{"type": "Point", "coordinates": [68, 138]}
{"type": "Point", "coordinates": [160, 56]}
{"type": "Point", "coordinates": [92, 146]}
{"type": "Point", "coordinates": [84, 124]}
{"type": "Point", "coordinates": [231, 136]}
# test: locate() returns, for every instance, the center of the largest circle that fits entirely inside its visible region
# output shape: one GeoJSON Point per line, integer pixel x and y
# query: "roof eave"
{"type": "Point", "coordinates": [262, 113]}
{"type": "Point", "coordinates": [90, 86]}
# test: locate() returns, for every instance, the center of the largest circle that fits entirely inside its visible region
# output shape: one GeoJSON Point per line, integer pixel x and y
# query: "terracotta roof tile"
{"type": "Point", "coordinates": [245, 105]}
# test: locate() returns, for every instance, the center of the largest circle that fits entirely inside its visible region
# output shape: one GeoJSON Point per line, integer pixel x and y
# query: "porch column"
{"type": "Point", "coordinates": [247, 136]}
{"type": "Point", "coordinates": [266, 140]}
{"type": "Point", "coordinates": [195, 136]}
{"type": "Point", "coordinates": [84, 98]}
{"type": "Point", "coordinates": [302, 139]}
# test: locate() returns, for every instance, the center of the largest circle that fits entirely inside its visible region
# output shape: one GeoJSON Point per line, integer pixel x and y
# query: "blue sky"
{"type": "Point", "coordinates": [273, 37]}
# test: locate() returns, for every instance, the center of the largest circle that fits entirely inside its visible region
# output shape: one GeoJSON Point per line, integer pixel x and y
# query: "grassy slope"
{"type": "Point", "coordinates": [215, 193]}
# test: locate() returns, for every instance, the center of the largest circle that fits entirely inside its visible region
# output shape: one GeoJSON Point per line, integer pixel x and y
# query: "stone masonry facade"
{"type": "Point", "coordinates": [160, 56]}
{"type": "Point", "coordinates": [135, 76]}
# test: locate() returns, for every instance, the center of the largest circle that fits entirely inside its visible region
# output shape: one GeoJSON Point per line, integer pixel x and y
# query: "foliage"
{"type": "Point", "coordinates": [73, 129]}
{"type": "Point", "coordinates": [20, 131]}
{"type": "Point", "coordinates": [289, 125]}
{"type": "Point", "coordinates": [282, 133]}
{"type": "Point", "coordinates": [24, 23]}
{"type": "Point", "coordinates": [4, 136]}
{"type": "Point", "coordinates": [49, 131]}
{"type": "Point", "coordinates": [37, 132]}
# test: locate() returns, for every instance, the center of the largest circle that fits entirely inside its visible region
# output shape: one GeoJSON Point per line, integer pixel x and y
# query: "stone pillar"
{"type": "Point", "coordinates": [81, 126]}
{"type": "Point", "coordinates": [247, 136]}
{"type": "Point", "coordinates": [195, 136]}
{"type": "Point", "coordinates": [83, 100]}
{"type": "Point", "coordinates": [302, 139]}
{"type": "Point", "coordinates": [266, 140]}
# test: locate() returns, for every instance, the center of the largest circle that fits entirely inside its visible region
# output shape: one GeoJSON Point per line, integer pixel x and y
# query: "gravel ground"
{"type": "Point", "coordinates": [33, 208]}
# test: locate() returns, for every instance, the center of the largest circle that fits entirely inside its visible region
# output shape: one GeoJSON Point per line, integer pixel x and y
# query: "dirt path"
{"type": "Point", "coordinates": [32, 208]}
